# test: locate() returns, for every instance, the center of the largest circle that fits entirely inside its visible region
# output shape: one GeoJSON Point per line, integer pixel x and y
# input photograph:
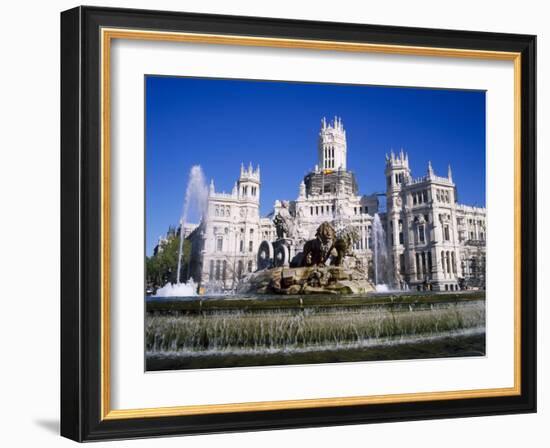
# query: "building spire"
{"type": "Point", "coordinates": [212, 189]}
{"type": "Point", "coordinates": [430, 169]}
{"type": "Point", "coordinates": [332, 145]}
{"type": "Point", "coordinates": [449, 173]}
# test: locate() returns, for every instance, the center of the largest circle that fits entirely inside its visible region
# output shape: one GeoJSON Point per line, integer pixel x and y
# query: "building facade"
{"type": "Point", "coordinates": [432, 242]}
{"type": "Point", "coordinates": [231, 232]}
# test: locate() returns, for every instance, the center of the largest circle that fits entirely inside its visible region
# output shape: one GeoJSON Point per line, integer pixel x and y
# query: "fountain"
{"type": "Point", "coordinates": [178, 289]}
{"type": "Point", "coordinates": [381, 260]}
{"type": "Point", "coordinates": [195, 201]}
{"type": "Point", "coordinates": [325, 265]}
{"type": "Point", "coordinates": [217, 332]}
{"type": "Point", "coordinates": [308, 302]}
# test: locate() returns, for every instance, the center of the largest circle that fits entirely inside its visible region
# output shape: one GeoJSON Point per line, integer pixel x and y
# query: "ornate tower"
{"type": "Point", "coordinates": [398, 174]}
{"type": "Point", "coordinates": [248, 185]}
{"type": "Point", "coordinates": [332, 145]}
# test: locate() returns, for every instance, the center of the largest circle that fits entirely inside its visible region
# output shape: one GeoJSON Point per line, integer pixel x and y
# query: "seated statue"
{"type": "Point", "coordinates": [284, 221]}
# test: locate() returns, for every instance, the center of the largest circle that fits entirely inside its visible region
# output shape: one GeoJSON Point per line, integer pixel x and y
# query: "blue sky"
{"type": "Point", "coordinates": [220, 123]}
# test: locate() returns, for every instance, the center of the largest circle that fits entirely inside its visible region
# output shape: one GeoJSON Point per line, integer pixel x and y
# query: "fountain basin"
{"type": "Point", "coordinates": [280, 329]}
{"type": "Point", "coordinates": [259, 302]}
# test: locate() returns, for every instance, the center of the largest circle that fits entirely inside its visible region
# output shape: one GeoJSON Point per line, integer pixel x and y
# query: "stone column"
{"type": "Point", "coordinates": [410, 266]}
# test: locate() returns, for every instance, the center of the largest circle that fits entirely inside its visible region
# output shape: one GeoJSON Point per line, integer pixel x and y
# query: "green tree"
{"type": "Point", "coordinates": [161, 268]}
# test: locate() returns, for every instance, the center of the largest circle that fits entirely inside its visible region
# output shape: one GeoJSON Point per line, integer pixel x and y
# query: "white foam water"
{"type": "Point", "coordinates": [196, 195]}
{"type": "Point", "coordinates": [178, 290]}
{"type": "Point", "coordinates": [381, 260]}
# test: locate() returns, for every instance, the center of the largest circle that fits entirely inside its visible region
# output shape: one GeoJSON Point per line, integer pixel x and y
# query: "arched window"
{"type": "Point", "coordinates": [240, 269]}
{"type": "Point", "coordinates": [446, 233]}
{"type": "Point", "coordinates": [421, 234]}
{"type": "Point", "coordinates": [250, 266]}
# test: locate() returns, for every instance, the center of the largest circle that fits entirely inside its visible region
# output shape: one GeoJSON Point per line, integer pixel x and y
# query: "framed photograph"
{"type": "Point", "coordinates": [276, 224]}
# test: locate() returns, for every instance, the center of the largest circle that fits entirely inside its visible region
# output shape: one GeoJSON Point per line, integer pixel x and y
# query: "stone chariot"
{"type": "Point", "coordinates": [274, 254]}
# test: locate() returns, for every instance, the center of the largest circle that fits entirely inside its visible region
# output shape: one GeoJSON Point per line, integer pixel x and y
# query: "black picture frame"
{"type": "Point", "coordinates": [81, 224]}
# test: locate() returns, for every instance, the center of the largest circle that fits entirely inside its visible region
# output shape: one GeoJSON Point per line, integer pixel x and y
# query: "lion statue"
{"type": "Point", "coordinates": [317, 251]}
{"type": "Point", "coordinates": [345, 239]}
{"type": "Point", "coordinates": [329, 245]}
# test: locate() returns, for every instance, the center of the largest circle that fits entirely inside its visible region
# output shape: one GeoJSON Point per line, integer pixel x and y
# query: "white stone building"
{"type": "Point", "coordinates": [432, 238]}
{"type": "Point", "coordinates": [433, 242]}
{"type": "Point", "coordinates": [232, 231]}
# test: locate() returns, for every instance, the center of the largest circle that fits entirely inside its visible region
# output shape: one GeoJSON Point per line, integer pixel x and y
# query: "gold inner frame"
{"type": "Point", "coordinates": [107, 35]}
